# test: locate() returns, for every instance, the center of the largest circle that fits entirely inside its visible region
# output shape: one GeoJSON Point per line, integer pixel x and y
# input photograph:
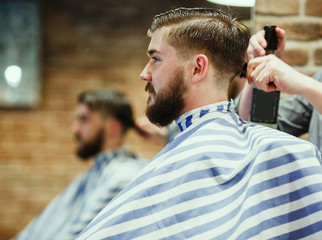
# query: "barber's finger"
{"type": "Point", "coordinates": [257, 43]}
{"type": "Point", "coordinates": [272, 88]}
{"type": "Point", "coordinates": [280, 33]}
{"type": "Point", "coordinates": [262, 82]}
{"type": "Point", "coordinates": [250, 52]}
{"type": "Point", "coordinates": [266, 80]}
{"type": "Point", "coordinates": [249, 70]}
{"type": "Point", "coordinates": [258, 76]}
{"type": "Point", "coordinates": [252, 64]}
{"type": "Point", "coordinates": [260, 36]}
{"type": "Point", "coordinates": [255, 51]}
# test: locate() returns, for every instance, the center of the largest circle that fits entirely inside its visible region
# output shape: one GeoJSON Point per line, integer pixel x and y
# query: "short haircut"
{"type": "Point", "coordinates": [216, 33]}
{"type": "Point", "coordinates": [109, 103]}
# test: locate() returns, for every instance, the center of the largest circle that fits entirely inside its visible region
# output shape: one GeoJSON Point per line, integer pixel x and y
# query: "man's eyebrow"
{"type": "Point", "coordinates": [151, 52]}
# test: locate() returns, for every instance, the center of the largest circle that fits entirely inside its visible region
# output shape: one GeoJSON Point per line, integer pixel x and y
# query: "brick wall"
{"type": "Point", "coordinates": [302, 21]}
{"type": "Point", "coordinates": [85, 44]}
{"type": "Point", "coordinates": [100, 43]}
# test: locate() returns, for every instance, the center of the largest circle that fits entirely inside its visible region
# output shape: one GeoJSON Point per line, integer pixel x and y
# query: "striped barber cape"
{"type": "Point", "coordinates": [78, 204]}
{"type": "Point", "coordinates": [220, 178]}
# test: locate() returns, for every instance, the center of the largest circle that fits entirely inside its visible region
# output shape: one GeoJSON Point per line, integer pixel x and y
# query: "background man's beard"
{"type": "Point", "coordinates": [168, 103]}
{"type": "Point", "coordinates": [92, 148]}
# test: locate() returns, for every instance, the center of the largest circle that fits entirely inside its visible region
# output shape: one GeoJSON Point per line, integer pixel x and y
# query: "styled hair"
{"type": "Point", "coordinates": [217, 34]}
{"type": "Point", "coordinates": [109, 103]}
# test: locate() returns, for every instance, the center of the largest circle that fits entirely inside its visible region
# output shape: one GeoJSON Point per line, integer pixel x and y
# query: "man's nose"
{"type": "Point", "coordinates": [74, 127]}
{"type": "Point", "coordinates": [145, 74]}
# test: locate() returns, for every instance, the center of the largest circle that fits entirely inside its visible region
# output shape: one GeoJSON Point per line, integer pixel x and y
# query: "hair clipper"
{"type": "Point", "coordinates": [264, 108]}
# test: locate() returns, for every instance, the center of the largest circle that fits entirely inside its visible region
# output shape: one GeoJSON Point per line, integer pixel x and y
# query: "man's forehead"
{"type": "Point", "coordinates": [82, 109]}
{"type": "Point", "coordinates": [155, 42]}
{"type": "Point", "coordinates": [158, 43]}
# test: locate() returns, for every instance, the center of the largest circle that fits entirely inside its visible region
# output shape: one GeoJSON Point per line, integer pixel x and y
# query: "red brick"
{"type": "Point", "coordinates": [313, 7]}
{"type": "Point", "coordinates": [295, 57]}
{"type": "Point", "coordinates": [277, 7]}
{"type": "Point", "coordinates": [318, 56]}
{"type": "Point", "coordinates": [303, 31]}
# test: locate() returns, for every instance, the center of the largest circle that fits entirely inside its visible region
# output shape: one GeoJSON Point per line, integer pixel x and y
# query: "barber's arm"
{"type": "Point", "coordinates": [269, 73]}
{"type": "Point", "coordinates": [151, 132]}
{"type": "Point", "coordinates": [256, 48]}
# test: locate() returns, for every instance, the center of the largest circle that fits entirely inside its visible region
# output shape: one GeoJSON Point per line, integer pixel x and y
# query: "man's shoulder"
{"type": "Point", "coordinates": [287, 145]}
{"type": "Point", "coordinates": [125, 166]}
{"type": "Point", "coordinates": [241, 133]}
{"type": "Point", "coordinates": [230, 134]}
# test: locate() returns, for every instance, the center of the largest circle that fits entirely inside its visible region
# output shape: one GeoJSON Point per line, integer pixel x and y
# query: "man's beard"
{"type": "Point", "coordinates": [90, 149]}
{"type": "Point", "coordinates": [168, 103]}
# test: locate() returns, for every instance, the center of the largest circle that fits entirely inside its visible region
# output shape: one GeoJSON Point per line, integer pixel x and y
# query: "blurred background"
{"type": "Point", "coordinates": [66, 47]}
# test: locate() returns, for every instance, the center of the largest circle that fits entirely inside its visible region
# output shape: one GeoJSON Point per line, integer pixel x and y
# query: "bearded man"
{"type": "Point", "coordinates": [101, 121]}
{"type": "Point", "coordinates": [220, 178]}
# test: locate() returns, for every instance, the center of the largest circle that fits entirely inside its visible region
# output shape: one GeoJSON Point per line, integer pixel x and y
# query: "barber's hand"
{"type": "Point", "coordinates": [269, 73]}
{"type": "Point", "coordinates": [151, 132]}
{"type": "Point", "coordinates": [257, 43]}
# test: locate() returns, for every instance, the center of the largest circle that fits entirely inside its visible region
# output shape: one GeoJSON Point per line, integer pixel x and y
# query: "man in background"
{"type": "Point", "coordinates": [102, 119]}
{"type": "Point", "coordinates": [219, 178]}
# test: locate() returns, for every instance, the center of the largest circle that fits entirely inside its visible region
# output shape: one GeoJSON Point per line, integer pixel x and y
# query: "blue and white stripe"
{"type": "Point", "coordinates": [220, 178]}
{"type": "Point", "coordinates": [72, 210]}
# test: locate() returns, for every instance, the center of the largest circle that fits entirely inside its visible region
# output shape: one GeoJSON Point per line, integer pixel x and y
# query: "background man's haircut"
{"type": "Point", "coordinates": [109, 103]}
{"type": "Point", "coordinates": [222, 38]}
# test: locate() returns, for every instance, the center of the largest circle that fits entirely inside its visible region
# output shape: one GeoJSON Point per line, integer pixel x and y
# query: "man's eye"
{"type": "Point", "coordinates": [155, 59]}
{"type": "Point", "coordinates": [83, 119]}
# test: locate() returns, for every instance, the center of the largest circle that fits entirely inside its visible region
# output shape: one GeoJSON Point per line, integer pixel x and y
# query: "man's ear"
{"type": "Point", "coordinates": [201, 65]}
{"type": "Point", "coordinates": [114, 127]}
